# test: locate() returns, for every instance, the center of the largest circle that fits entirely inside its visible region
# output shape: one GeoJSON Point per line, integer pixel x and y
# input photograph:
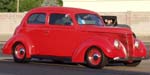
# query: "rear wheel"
{"type": "Point", "coordinates": [19, 53]}
{"type": "Point", "coordinates": [132, 63]}
{"type": "Point", "coordinates": [95, 58]}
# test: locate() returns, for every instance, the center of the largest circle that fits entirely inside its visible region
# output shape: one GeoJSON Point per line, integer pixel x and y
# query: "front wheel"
{"type": "Point", "coordinates": [19, 54]}
{"type": "Point", "coordinates": [132, 63]}
{"type": "Point", "coordinates": [95, 58]}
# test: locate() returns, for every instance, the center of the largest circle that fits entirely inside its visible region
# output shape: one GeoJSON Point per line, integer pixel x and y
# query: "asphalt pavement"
{"type": "Point", "coordinates": [8, 67]}
{"type": "Point", "coordinates": [42, 67]}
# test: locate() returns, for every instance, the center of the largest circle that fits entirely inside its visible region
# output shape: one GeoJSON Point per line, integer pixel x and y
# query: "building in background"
{"type": "Point", "coordinates": [135, 13]}
{"type": "Point", "coordinates": [110, 5]}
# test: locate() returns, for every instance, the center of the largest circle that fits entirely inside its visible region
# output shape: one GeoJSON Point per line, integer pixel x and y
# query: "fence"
{"type": "Point", "coordinates": [139, 22]}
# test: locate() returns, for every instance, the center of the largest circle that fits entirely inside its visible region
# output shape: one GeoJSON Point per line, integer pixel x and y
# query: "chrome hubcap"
{"type": "Point", "coordinates": [20, 51]}
{"type": "Point", "coordinates": [94, 57]}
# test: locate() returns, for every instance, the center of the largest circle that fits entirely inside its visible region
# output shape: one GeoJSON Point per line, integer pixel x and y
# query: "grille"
{"type": "Point", "coordinates": [128, 42]}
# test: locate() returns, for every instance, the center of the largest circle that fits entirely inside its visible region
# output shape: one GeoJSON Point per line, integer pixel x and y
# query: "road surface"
{"type": "Point", "coordinates": [8, 67]}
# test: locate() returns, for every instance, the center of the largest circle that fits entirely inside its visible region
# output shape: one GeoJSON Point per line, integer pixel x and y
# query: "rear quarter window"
{"type": "Point", "coordinates": [37, 18]}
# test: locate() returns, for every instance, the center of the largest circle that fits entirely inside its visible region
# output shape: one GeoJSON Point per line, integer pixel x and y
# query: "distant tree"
{"type": "Point", "coordinates": [60, 2]}
{"type": "Point", "coordinates": [52, 3]}
{"type": "Point", "coordinates": [7, 5]}
{"type": "Point", "coordinates": [25, 5]}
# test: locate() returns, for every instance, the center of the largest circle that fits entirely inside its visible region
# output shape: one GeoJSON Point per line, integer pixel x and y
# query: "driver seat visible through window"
{"type": "Point", "coordinates": [60, 19]}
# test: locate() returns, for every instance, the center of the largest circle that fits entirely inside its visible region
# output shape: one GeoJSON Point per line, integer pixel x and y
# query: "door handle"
{"type": "Point", "coordinates": [47, 31]}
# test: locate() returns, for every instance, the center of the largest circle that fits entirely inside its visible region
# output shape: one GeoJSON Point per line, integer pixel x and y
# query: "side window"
{"type": "Point", "coordinates": [38, 18]}
{"type": "Point", "coordinates": [88, 19]}
{"type": "Point", "coordinates": [60, 19]}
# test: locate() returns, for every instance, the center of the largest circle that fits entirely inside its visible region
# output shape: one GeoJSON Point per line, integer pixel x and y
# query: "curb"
{"type": "Point", "coordinates": [4, 58]}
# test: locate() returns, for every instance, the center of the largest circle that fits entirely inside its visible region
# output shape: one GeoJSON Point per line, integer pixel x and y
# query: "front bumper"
{"type": "Point", "coordinates": [128, 59]}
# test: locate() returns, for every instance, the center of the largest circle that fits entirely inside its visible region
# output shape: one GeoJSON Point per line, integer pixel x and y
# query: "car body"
{"type": "Point", "coordinates": [75, 35]}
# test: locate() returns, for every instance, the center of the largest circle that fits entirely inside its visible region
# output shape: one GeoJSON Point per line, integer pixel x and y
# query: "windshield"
{"type": "Point", "coordinates": [88, 19]}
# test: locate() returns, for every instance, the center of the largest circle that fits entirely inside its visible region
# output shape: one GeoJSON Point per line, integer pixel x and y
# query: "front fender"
{"type": "Point", "coordinates": [140, 52]}
{"type": "Point", "coordinates": [7, 48]}
{"type": "Point", "coordinates": [106, 45]}
{"type": "Point", "coordinates": [79, 53]}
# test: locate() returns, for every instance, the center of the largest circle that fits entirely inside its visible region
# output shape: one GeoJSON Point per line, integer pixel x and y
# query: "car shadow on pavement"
{"type": "Point", "coordinates": [53, 68]}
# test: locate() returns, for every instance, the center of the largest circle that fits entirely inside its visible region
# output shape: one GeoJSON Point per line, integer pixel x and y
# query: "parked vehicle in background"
{"type": "Point", "coordinates": [74, 35]}
{"type": "Point", "coordinates": [112, 21]}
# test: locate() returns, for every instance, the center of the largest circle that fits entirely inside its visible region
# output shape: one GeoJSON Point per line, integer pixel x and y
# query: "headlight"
{"type": "Point", "coordinates": [116, 44]}
{"type": "Point", "coordinates": [136, 44]}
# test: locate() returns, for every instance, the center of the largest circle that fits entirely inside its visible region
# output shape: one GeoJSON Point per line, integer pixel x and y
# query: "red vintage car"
{"type": "Point", "coordinates": [73, 35]}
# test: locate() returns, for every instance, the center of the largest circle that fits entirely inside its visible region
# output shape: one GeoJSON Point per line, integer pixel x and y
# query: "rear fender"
{"type": "Point", "coordinates": [7, 48]}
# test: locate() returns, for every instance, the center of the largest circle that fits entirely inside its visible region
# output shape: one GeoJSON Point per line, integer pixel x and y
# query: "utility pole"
{"type": "Point", "coordinates": [17, 5]}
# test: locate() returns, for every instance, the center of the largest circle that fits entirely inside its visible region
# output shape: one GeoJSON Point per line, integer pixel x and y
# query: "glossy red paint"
{"type": "Point", "coordinates": [73, 41]}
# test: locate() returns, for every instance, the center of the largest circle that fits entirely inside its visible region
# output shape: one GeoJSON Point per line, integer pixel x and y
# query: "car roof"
{"type": "Point", "coordinates": [62, 9]}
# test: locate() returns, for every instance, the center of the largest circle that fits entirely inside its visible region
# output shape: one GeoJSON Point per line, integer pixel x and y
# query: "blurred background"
{"type": "Point", "coordinates": [135, 13]}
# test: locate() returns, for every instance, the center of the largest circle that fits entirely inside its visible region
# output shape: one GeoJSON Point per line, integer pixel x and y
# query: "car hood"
{"type": "Point", "coordinates": [107, 30]}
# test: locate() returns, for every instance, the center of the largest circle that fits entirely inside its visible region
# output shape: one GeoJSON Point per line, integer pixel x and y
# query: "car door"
{"type": "Point", "coordinates": [62, 35]}
{"type": "Point", "coordinates": [36, 30]}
